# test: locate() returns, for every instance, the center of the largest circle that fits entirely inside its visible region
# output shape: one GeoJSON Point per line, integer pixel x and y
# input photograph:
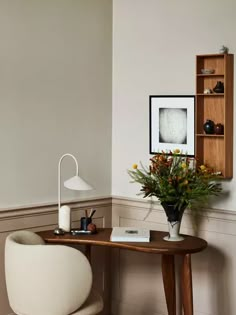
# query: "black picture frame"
{"type": "Point", "coordinates": [172, 123]}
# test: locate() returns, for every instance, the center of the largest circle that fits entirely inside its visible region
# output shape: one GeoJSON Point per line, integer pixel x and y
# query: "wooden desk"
{"type": "Point", "coordinates": [156, 246]}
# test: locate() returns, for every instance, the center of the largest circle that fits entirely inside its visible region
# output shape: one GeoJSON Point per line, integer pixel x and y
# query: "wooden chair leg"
{"type": "Point", "coordinates": [88, 252]}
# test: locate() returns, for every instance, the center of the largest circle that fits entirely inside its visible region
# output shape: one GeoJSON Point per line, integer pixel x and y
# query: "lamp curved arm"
{"type": "Point", "coordinates": [59, 175]}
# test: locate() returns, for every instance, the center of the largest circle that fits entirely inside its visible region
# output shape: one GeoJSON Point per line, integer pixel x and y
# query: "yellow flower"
{"type": "Point", "coordinates": [135, 166]}
{"type": "Point", "coordinates": [185, 182]}
{"type": "Point", "coordinates": [203, 167]}
{"type": "Point", "coordinates": [183, 165]}
{"type": "Point", "coordinates": [176, 151]}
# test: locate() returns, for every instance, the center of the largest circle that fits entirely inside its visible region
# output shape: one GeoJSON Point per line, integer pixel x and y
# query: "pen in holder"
{"type": "Point", "coordinates": [84, 222]}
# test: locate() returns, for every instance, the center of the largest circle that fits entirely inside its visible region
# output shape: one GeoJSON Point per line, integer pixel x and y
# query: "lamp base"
{"type": "Point", "coordinates": [64, 218]}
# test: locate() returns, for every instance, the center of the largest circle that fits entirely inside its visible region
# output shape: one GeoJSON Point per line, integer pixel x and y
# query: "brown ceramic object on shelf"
{"type": "Point", "coordinates": [219, 129]}
{"type": "Point", "coordinates": [92, 227]}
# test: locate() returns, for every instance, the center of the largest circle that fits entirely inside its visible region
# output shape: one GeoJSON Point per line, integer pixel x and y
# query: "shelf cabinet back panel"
{"type": "Point", "coordinates": [212, 147]}
{"type": "Point", "coordinates": [209, 108]}
{"type": "Point", "coordinates": [208, 83]}
{"type": "Point", "coordinates": [211, 62]}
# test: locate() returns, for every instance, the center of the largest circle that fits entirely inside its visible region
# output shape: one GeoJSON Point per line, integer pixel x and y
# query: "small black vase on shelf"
{"type": "Point", "coordinates": [209, 126]}
{"type": "Point", "coordinates": [219, 88]}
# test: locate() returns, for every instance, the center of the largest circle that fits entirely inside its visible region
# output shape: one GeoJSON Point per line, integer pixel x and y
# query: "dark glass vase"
{"type": "Point", "coordinates": [209, 126]}
{"type": "Point", "coordinates": [172, 212]}
{"type": "Point", "coordinates": [174, 217]}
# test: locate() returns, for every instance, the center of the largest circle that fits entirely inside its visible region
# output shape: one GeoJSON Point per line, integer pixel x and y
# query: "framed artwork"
{"type": "Point", "coordinates": [172, 123]}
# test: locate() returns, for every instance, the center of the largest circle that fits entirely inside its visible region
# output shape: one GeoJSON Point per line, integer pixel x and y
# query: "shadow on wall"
{"type": "Point", "coordinates": [198, 217]}
{"type": "Point", "coordinates": [213, 282]}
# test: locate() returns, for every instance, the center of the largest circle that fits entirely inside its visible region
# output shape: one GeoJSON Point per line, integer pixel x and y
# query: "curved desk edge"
{"type": "Point", "coordinates": [156, 245]}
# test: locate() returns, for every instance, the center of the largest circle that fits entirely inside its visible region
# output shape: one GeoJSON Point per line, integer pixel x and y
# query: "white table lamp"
{"type": "Point", "coordinates": [73, 183]}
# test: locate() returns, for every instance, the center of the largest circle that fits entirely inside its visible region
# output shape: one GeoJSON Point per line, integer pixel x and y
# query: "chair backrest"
{"type": "Point", "coordinates": [44, 279]}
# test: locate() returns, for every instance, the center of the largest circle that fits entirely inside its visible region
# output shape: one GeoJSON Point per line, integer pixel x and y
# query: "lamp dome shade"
{"type": "Point", "coordinates": [77, 183]}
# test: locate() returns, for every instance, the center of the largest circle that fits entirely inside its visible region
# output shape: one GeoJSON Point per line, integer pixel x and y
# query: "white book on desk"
{"type": "Point", "coordinates": [130, 234]}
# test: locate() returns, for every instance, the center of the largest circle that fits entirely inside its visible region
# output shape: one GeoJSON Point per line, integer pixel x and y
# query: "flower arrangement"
{"type": "Point", "coordinates": [175, 179]}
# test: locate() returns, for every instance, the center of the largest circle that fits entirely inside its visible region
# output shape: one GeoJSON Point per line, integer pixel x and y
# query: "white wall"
{"type": "Point", "coordinates": [55, 97]}
{"type": "Point", "coordinates": [154, 48]}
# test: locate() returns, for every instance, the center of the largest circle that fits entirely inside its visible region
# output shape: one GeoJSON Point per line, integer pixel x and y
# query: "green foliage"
{"type": "Point", "coordinates": [175, 178]}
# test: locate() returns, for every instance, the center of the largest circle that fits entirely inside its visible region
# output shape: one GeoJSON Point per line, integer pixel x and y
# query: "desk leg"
{"type": "Point", "coordinates": [168, 274]}
{"type": "Point", "coordinates": [187, 290]}
{"type": "Point", "coordinates": [88, 252]}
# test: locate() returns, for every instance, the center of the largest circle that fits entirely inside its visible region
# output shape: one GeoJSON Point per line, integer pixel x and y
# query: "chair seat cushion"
{"type": "Point", "coordinates": [92, 306]}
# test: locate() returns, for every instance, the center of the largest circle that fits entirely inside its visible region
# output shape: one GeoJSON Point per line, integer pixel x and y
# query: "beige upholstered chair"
{"type": "Point", "coordinates": [48, 279]}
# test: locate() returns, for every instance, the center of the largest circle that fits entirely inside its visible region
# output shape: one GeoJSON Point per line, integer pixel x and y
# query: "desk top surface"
{"type": "Point", "coordinates": [156, 245]}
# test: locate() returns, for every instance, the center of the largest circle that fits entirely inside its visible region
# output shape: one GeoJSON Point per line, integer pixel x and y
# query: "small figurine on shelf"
{"type": "Point", "coordinates": [223, 50]}
{"type": "Point", "coordinates": [219, 88]}
{"type": "Point", "coordinates": [209, 126]}
{"type": "Point", "coordinates": [207, 91]}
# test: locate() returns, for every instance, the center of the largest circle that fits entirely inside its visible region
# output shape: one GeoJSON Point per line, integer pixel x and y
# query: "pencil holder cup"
{"type": "Point", "coordinates": [84, 222]}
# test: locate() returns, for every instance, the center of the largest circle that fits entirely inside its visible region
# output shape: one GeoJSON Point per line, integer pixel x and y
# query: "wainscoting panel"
{"type": "Point", "coordinates": [137, 287]}
{"type": "Point", "coordinates": [45, 218]}
{"type": "Point", "coordinates": [137, 279]}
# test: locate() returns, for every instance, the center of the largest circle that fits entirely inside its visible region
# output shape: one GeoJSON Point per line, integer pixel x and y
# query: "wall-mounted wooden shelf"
{"type": "Point", "coordinates": [211, 149]}
{"type": "Point", "coordinates": [210, 75]}
{"type": "Point", "coordinates": [206, 135]}
{"type": "Point", "coordinates": [211, 94]}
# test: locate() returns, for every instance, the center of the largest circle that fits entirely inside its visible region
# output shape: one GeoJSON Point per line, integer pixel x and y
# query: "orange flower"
{"type": "Point", "coordinates": [176, 178]}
